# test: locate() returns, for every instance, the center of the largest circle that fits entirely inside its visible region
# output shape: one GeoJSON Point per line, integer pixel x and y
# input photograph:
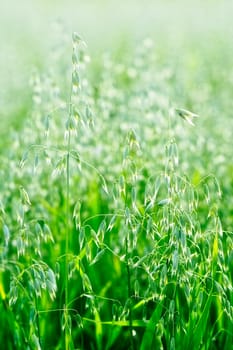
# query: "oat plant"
{"type": "Point", "coordinates": [108, 240]}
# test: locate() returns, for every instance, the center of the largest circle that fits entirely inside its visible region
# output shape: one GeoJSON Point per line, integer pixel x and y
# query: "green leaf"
{"type": "Point", "coordinates": [196, 334]}
{"type": "Point", "coordinates": [35, 343]}
{"type": "Point", "coordinates": [147, 340]}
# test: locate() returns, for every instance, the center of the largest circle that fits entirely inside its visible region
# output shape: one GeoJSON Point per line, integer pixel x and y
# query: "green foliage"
{"type": "Point", "coordinates": [115, 233]}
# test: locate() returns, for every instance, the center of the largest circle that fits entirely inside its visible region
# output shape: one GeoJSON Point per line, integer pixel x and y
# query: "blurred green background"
{"type": "Point", "coordinates": [30, 29]}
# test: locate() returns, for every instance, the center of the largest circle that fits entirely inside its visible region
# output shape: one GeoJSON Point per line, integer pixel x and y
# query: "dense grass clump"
{"type": "Point", "coordinates": [115, 229]}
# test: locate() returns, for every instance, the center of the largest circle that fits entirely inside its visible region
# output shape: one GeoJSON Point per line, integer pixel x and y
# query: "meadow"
{"type": "Point", "coordinates": [116, 177]}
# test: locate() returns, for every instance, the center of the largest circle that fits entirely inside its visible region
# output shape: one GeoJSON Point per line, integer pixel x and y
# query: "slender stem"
{"type": "Point", "coordinates": [129, 294]}
{"type": "Point", "coordinates": [37, 320]}
{"type": "Point", "coordinates": [67, 208]}
{"type": "Point", "coordinates": [67, 244]}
